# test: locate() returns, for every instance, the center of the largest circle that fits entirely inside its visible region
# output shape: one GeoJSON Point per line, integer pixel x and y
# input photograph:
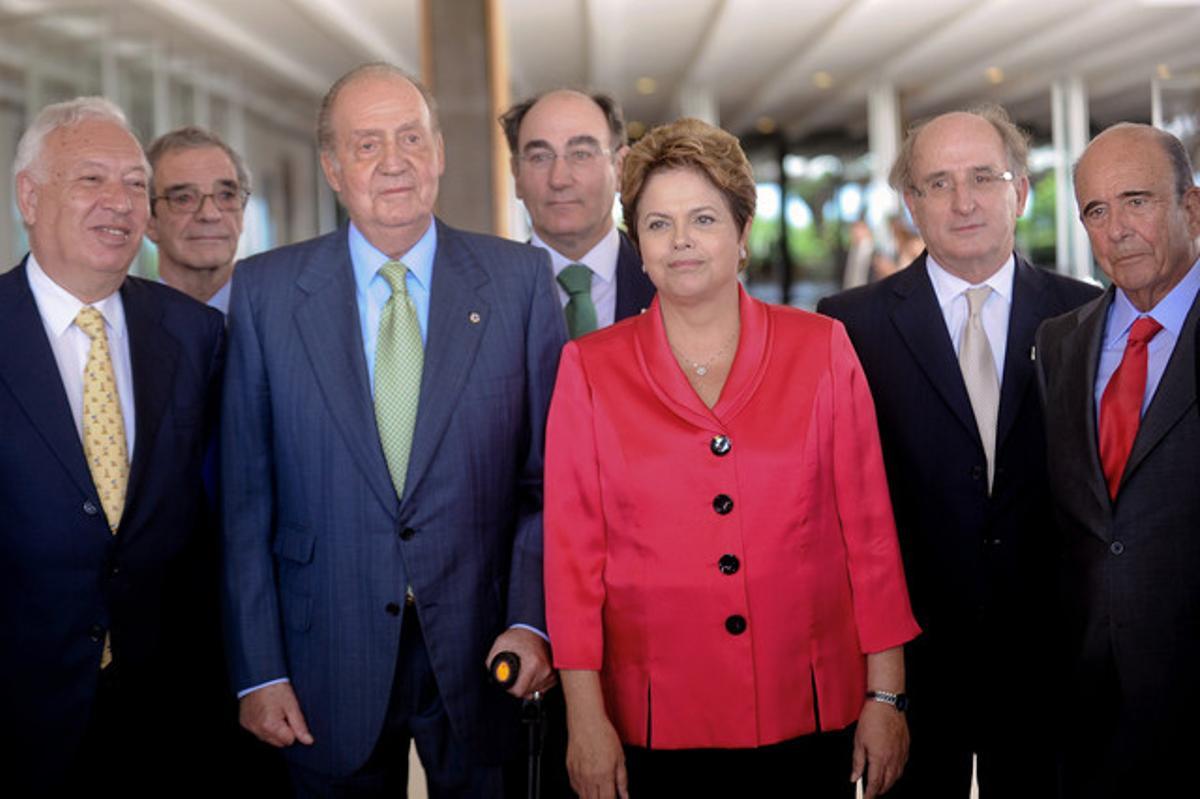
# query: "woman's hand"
{"type": "Point", "coordinates": [595, 760]}
{"type": "Point", "coordinates": [881, 746]}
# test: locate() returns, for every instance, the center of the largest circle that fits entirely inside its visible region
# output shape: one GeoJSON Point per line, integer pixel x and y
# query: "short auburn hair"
{"type": "Point", "coordinates": [689, 144]}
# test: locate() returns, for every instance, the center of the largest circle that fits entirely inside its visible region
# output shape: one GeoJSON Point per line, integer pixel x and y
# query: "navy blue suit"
{"type": "Point", "coordinates": [634, 289]}
{"type": "Point", "coordinates": [980, 568]}
{"type": "Point", "coordinates": [66, 580]}
{"type": "Point", "coordinates": [318, 547]}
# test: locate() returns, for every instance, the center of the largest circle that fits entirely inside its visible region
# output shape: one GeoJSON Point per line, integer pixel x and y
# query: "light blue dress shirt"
{"type": "Point", "coordinates": [1170, 312]}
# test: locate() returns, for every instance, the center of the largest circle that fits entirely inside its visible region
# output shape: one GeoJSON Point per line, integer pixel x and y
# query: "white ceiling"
{"type": "Point", "coordinates": [753, 58]}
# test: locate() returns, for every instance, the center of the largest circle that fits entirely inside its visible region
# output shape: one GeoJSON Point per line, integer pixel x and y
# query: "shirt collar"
{"type": "Point", "coordinates": [949, 287]}
{"type": "Point", "coordinates": [59, 307]}
{"type": "Point", "coordinates": [1170, 312]}
{"type": "Point", "coordinates": [601, 259]}
{"type": "Point", "coordinates": [366, 258]}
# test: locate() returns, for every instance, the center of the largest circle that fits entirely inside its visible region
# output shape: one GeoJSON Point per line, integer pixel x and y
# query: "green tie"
{"type": "Point", "coordinates": [399, 356]}
{"type": "Point", "coordinates": [581, 312]}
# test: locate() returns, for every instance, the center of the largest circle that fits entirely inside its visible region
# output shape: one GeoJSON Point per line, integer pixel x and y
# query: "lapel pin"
{"type": "Point", "coordinates": [474, 317]}
{"type": "Point", "coordinates": [1033, 353]}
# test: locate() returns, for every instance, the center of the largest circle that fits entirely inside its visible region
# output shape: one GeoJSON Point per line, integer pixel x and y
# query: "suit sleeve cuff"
{"type": "Point", "coordinates": [276, 681]}
{"type": "Point", "coordinates": [533, 630]}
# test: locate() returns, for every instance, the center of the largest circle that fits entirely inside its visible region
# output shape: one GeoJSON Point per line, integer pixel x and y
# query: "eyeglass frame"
{"type": "Point", "coordinates": [593, 151]}
{"type": "Point", "coordinates": [243, 195]}
{"type": "Point", "coordinates": [992, 180]}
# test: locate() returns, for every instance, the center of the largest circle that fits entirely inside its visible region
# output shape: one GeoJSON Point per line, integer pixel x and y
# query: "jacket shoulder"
{"type": "Point", "coordinates": [177, 307]}
{"type": "Point", "coordinates": [1068, 292]}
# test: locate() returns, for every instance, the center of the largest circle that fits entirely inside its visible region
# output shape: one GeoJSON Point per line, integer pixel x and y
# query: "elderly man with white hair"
{"type": "Point", "coordinates": [106, 389]}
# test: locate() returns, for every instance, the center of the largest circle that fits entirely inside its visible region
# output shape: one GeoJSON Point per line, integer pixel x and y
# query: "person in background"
{"type": "Point", "coordinates": [566, 150]}
{"type": "Point", "coordinates": [724, 590]}
{"type": "Point", "coordinates": [200, 187]}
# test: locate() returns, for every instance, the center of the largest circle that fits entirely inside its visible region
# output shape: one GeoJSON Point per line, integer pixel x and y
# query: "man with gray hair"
{"type": "Point", "coordinates": [381, 441]}
{"type": "Point", "coordinates": [200, 188]}
{"type": "Point", "coordinates": [1119, 387]}
{"type": "Point", "coordinates": [107, 393]}
{"type": "Point", "coordinates": [947, 347]}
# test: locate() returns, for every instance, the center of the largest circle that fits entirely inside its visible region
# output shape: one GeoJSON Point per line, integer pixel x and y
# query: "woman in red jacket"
{"type": "Point", "coordinates": [724, 592]}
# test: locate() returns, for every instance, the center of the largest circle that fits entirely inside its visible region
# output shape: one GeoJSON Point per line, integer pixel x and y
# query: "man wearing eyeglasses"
{"type": "Point", "coordinates": [947, 347]}
{"type": "Point", "coordinates": [199, 196]}
{"type": "Point", "coordinates": [567, 149]}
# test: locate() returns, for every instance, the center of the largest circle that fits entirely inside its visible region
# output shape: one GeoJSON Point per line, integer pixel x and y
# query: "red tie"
{"type": "Point", "coordinates": [1121, 405]}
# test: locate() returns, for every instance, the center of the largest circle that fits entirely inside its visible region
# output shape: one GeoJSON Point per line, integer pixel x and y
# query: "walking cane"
{"type": "Point", "coordinates": [505, 668]}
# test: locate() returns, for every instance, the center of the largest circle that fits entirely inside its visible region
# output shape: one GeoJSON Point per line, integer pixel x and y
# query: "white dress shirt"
{"type": "Point", "coordinates": [602, 260]}
{"type": "Point", "coordinates": [951, 292]}
{"type": "Point", "coordinates": [58, 309]}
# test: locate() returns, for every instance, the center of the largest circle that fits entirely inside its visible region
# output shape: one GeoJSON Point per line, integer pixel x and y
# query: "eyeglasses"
{"type": "Point", "coordinates": [189, 201]}
{"type": "Point", "coordinates": [575, 158]}
{"type": "Point", "coordinates": [981, 181]}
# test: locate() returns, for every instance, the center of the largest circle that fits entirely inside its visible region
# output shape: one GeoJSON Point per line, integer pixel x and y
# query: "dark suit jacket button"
{"type": "Point", "coordinates": [1116, 548]}
{"type": "Point", "coordinates": [720, 445]}
{"type": "Point", "coordinates": [392, 609]}
{"type": "Point", "coordinates": [722, 504]}
{"type": "Point", "coordinates": [728, 564]}
{"type": "Point", "coordinates": [976, 472]}
{"type": "Point", "coordinates": [90, 508]}
{"type": "Point", "coordinates": [97, 633]}
{"type": "Point", "coordinates": [407, 533]}
{"type": "Point", "coordinates": [735, 624]}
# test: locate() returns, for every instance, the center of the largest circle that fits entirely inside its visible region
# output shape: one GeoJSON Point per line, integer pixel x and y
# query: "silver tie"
{"type": "Point", "coordinates": [979, 373]}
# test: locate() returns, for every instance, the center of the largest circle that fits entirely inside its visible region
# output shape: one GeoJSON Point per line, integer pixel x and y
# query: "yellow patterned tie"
{"type": "Point", "coordinates": [103, 430]}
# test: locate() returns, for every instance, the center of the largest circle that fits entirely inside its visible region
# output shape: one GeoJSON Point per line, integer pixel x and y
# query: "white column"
{"type": "Point", "coordinates": [160, 98]}
{"type": "Point", "coordinates": [1069, 123]}
{"type": "Point", "coordinates": [883, 140]}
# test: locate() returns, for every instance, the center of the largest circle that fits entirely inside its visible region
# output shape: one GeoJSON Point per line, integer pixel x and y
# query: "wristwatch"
{"type": "Point", "coordinates": [898, 701]}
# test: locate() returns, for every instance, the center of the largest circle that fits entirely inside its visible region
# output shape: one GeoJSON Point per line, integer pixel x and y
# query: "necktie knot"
{"type": "Point", "coordinates": [976, 297]}
{"type": "Point", "coordinates": [1144, 329]}
{"type": "Point", "coordinates": [395, 272]}
{"type": "Point", "coordinates": [576, 279]}
{"type": "Point", "coordinates": [90, 321]}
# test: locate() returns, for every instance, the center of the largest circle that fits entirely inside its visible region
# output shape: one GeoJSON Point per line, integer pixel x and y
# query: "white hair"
{"type": "Point", "coordinates": [62, 115]}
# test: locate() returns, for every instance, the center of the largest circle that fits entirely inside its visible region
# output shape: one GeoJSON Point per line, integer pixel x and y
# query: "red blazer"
{"type": "Point", "coordinates": [712, 629]}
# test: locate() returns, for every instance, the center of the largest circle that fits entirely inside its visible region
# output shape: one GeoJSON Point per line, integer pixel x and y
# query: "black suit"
{"type": "Point", "coordinates": [1130, 628]}
{"type": "Point", "coordinates": [978, 569]}
{"type": "Point", "coordinates": [634, 293]}
{"type": "Point", "coordinates": [66, 580]}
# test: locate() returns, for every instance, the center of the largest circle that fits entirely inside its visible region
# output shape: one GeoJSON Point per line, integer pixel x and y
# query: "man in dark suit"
{"type": "Point", "coordinates": [107, 392]}
{"type": "Point", "coordinates": [566, 151]}
{"type": "Point", "coordinates": [1119, 386]}
{"type": "Point", "coordinates": [382, 447]}
{"type": "Point", "coordinates": [947, 348]}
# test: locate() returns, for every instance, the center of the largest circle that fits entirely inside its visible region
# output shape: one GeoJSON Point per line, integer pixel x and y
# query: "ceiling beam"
{"type": "Point", "coordinates": [355, 32]}
{"type": "Point", "coordinates": [216, 27]}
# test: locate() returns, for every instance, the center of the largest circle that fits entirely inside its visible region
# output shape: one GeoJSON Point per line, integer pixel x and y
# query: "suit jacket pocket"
{"type": "Point", "coordinates": [295, 544]}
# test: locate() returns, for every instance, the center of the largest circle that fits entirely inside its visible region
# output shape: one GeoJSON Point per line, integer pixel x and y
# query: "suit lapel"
{"type": "Point", "coordinates": [1025, 314]}
{"type": "Point", "coordinates": [450, 345]}
{"type": "Point", "coordinates": [154, 357]}
{"type": "Point", "coordinates": [327, 321]}
{"type": "Point", "coordinates": [29, 370]}
{"type": "Point", "coordinates": [1082, 345]}
{"type": "Point", "coordinates": [918, 319]}
{"type": "Point", "coordinates": [1175, 395]}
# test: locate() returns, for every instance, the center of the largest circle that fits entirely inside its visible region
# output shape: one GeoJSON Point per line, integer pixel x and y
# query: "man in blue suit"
{"type": "Point", "coordinates": [110, 663]}
{"type": "Point", "coordinates": [566, 150]}
{"type": "Point", "coordinates": [382, 469]}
